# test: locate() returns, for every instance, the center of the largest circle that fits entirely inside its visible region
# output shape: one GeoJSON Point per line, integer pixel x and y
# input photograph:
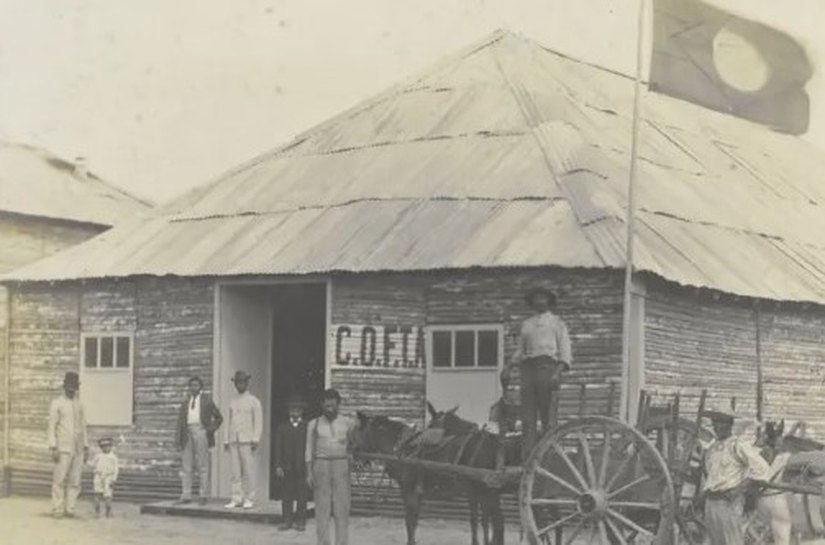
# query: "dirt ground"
{"type": "Point", "coordinates": [25, 521]}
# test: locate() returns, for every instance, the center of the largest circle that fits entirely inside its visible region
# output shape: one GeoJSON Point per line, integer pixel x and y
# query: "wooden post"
{"type": "Point", "coordinates": [582, 400]}
{"type": "Point", "coordinates": [611, 394]}
{"type": "Point", "coordinates": [673, 432]}
{"type": "Point", "coordinates": [759, 380]}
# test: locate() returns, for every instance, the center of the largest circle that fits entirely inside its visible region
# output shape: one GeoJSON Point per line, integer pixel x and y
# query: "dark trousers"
{"type": "Point", "coordinates": [294, 492]}
{"type": "Point", "coordinates": [539, 398]}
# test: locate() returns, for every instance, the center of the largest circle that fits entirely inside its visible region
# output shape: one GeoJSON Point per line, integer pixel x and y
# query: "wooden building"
{"type": "Point", "coordinates": [386, 252]}
{"type": "Point", "coordinates": [48, 204]}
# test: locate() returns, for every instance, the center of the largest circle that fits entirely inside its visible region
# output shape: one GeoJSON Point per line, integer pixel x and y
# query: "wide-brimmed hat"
{"type": "Point", "coordinates": [720, 413]}
{"type": "Point", "coordinates": [532, 293]}
{"type": "Point", "coordinates": [71, 379]}
{"type": "Point", "coordinates": [105, 442]}
{"type": "Point", "coordinates": [241, 376]}
{"type": "Point", "coordinates": [295, 401]}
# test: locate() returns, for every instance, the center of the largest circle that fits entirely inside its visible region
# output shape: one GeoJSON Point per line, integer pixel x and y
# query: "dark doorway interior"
{"type": "Point", "coordinates": [299, 324]}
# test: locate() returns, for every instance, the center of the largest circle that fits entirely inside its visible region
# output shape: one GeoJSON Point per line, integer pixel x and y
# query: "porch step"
{"type": "Point", "coordinates": [267, 512]}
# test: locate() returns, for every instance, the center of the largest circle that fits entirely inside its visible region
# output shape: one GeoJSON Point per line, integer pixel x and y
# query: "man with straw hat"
{"type": "Point", "coordinates": [245, 424]}
{"type": "Point", "coordinates": [728, 465]}
{"type": "Point", "coordinates": [68, 445]}
{"type": "Point", "coordinates": [543, 353]}
{"type": "Point", "coordinates": [290, 464]}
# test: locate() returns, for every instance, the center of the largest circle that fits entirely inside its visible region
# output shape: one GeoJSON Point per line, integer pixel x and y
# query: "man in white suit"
{"type": "Point", "coordinates": [243, 434]}
{"type": "Point", "coordinates": [68, 445]}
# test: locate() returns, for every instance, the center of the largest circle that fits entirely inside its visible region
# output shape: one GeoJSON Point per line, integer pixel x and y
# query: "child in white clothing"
{"type": "Point", "coordinates": [106, 468]}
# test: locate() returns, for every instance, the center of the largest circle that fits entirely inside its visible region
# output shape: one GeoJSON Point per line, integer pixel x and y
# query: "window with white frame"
{"type": "Point", "coordinates": [106, 363]}
{"type": "Point", "coordinates": [466, 346]}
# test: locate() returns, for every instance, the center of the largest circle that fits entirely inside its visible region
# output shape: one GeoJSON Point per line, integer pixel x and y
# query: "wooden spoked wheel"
{"type": "Point", "coordinates": [596, 480]}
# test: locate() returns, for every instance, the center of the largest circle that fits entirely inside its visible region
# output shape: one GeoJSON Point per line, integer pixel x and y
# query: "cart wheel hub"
{"type": "Point", "coordinates": [593, 502]}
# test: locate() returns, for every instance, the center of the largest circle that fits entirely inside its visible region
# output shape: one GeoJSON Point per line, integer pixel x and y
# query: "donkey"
{"type": "Point", "coordinates": [383, 435]}
{"type": "Point", "coordinates": [453, 425]}
{"type": "Point", "coordinates": [776, 507]}
{"type": "Point", "coordinates": [488, 444]}
{"type": "Point", "coordinates": [380, 434]}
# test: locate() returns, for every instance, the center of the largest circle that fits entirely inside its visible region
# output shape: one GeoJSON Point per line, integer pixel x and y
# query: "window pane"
{"type": "Point", "coordinates": [123, 349]}
{"type": "Point", "coordinates": [442, 348]}
{"type": "Point", "coordinates": [465, 348]}
{"type": "Point", "coordinates": [90, 350]}
{"type": "Point", "coordinates": [107, 352]}
{"type": "Point", "coordinates": [488, 348]}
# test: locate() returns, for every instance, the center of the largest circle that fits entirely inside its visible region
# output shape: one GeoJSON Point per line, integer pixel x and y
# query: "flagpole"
{"type": "Point", "coordinates": [631, 218]}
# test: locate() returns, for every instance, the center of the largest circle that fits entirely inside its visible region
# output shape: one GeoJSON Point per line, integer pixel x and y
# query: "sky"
{"type": "Point", "coordinates": [161, 96]}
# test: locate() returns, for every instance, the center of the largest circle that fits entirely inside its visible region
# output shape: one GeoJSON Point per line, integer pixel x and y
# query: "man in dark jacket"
{"type": "Point", "coordinates": [198, 420]}
{"type": "Point", "coordinates": [290, 467]}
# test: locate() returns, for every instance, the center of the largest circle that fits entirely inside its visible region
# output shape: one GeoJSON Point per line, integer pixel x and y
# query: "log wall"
{"type": "Point", "coordinates": [172, 321]}
{"type": "Point", "coordinates": [695, 341]}
{"type": "Point", "coordinates": [590, 302]}
{"type": "Point", "coordinates": [24, 239]}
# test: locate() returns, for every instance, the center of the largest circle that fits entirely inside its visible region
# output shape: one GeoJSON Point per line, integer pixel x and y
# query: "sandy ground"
{"type": "Point", "coordinates": [25, 521]}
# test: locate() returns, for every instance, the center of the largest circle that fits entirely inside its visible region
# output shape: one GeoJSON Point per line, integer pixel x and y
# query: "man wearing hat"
{"type": "Point", "coordinates": [243, 434]}
{"type": "Point", "coordinates": [728, 464]}
{"type": "Point", "coordinates": [68, 445]}
{"type": "Point", "coordinates": [543, 353]}
{"type": "Point", "coordinates": [290, 466]}
{"type": "Point", "coordinates": [198, 420]}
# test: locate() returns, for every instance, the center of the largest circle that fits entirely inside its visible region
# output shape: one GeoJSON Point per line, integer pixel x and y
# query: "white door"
{"type": "Point", "coordinates": [244, 344]}
{"type": "Point", "coordinates": [463, 366]}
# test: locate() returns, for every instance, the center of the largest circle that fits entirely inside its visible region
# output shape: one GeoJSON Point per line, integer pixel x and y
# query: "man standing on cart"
{"type": "Point", "coordinates": [729, 463]}
{"type": "Point", "coordinates": [543, 354]}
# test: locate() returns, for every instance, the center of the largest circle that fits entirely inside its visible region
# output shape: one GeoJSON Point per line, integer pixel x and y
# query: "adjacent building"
{"type": "Point", "coordinates": [48, 204]}
{"type": "Point", "coordinates": [386, 252]}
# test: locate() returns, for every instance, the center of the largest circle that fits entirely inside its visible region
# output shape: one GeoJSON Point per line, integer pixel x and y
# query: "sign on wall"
{"type": "Point", "coordinates": [378, 346]}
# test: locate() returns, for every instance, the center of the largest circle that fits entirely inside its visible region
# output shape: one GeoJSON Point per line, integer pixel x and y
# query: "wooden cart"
{"type": "Point", "coordinates": [598, 479]}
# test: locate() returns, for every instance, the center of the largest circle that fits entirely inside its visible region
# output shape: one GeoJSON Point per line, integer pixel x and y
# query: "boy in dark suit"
{"type": "Point", "coordinates": [290, 446]}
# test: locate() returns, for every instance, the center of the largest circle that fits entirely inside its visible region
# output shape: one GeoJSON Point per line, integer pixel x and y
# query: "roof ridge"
{"type": "Point", "coordinates": [180, 218]}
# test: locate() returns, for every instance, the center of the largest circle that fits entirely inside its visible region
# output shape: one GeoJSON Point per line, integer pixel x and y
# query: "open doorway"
{"type": "Point", "coordinates": [276, 333]}
{"type": "Point", "coordinates": [299, 325]}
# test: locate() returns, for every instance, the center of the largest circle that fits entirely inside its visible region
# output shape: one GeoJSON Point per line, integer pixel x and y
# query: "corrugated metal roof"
{"type": "Point", "coordinates": [37, 183]}
{"type": "Point", "coordinates": [505, 154]}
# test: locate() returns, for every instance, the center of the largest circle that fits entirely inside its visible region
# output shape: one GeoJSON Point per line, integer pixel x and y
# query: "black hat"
{"type": "Point", "coordinates": [295, 400]}
{"type": "Point", "coordinates": [105, 442]}
{"type": "Point", "coordinates": [71, 379]}
{"type": "Point", "coordinates": [531, 295]}
{"type": "Point", "coordinates": [241, 376]}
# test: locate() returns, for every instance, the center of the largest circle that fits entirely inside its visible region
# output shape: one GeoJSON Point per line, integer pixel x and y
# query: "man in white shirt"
{"type": "Point", "coordinates": [68, 445]}
{"type": "Point", "coordinates": [729, 463]}
{"type": "Point", "coordinates": [198, 420]}
{"type": "Point", "coordinates": [329, 438]}
{"type": "Point", "coordinates": [543, 352]}
{"type": "Point", "coordinates": [243, 433]}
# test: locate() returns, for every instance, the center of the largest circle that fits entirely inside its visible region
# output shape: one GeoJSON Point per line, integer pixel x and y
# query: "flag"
{"type": "Point", "coordinates": [727, 63]}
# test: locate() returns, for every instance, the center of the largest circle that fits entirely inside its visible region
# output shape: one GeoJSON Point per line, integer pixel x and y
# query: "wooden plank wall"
{"type": "Point", "coordinates": [792, 344]}
{"type": "Point", "coordinates": [172, 320]}
{"type": "Point", "coordinates": [590, 302]}
{"type": "Point", "coordinates": [695, 340]}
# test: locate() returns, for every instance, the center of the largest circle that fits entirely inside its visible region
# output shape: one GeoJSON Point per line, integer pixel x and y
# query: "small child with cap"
{"type": "Point", "coordinates": [290, 464]}
{"type": "Point", "coordinates": [105, 475]}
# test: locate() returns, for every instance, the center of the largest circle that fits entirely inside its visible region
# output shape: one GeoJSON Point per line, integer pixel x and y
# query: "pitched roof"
{"type": "Point", "coordinates": [36, 182]}
{"type": "Point", "coordinates": [503, 155]}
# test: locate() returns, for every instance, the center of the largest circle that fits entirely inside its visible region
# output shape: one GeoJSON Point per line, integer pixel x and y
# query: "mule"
{"type": "Point", "coordinates": [454, 425]}
{"type": "Point", "coordinates": [380, 434]}
{"type": "Point", "coordinates": [777, 507]}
